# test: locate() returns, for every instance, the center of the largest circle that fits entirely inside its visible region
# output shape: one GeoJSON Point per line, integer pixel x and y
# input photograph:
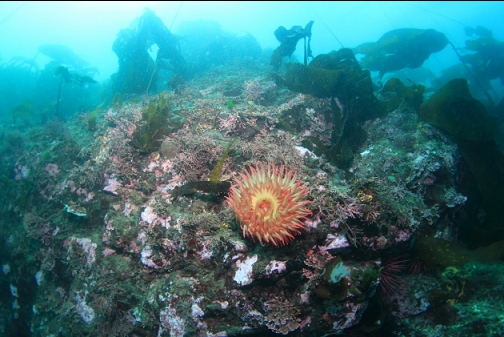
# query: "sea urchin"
{"type": "Point", "coordinates": [269, 203]}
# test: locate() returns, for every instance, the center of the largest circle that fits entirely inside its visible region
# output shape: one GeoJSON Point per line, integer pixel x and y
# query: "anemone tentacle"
{"type": "Point", "coordinates": [269, 203]}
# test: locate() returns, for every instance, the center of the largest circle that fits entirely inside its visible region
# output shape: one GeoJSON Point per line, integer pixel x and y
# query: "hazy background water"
{"type": "Point", "coordinates": [89, 28]}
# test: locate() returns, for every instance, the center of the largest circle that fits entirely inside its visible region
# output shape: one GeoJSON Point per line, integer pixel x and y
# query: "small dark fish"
{"type": "Point", "coordinates": [204, 190]}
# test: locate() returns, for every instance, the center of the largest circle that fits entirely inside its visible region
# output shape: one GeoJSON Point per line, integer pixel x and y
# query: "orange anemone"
{"type": "Point", "coordinates": [269, 203]}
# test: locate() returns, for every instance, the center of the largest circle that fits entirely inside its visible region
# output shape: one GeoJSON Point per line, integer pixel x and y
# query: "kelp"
{"type": "Point", "coordinates": [438, 252]}
{"type": "Point", "coordinates": [23, 110]}
{"type": "Point", "coordinates": [91, 118]}
{"type": "Point", "coordinates": [401, 48]}
{"type": "Point", "coordinates": [157, 122]}
{"type": "Point", "coordinates": [454, 110]}
{"type": "Point", "coordinates": [338, 77]}
{"type": "Point", "coordinates": [395, 93]}
{"type": "Point", "coordinates": [216, 172]}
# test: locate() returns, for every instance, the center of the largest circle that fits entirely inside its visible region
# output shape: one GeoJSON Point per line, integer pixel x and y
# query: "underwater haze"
{"type": "Point", "coordinates": [251, 169]}
{"type": "Point", "coordinates": [90, 27]}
